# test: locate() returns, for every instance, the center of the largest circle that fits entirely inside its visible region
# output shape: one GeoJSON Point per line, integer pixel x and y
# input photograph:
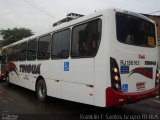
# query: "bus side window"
{"type": "Point", "coordinates": [44, 47]}
{"type": "Point", "coordinates": [86, 39]}
{"type": "Point", "coordinates": [32, 50]}
{"type": "Point", "coordinates": [10, 54]}
{"type": "Point", "coordinates": [15, 53]}
{"type": "Point", "coordinates": [61, 44]}
{"type": "Point", "coordinates": [23, 51]}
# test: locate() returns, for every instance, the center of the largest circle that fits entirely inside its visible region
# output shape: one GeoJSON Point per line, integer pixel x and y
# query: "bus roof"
{"type": "Point", "coordinates": [80, 20]}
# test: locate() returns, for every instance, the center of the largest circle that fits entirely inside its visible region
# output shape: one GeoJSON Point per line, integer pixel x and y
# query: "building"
{"type": "Point", "coordinates": [156, 18]}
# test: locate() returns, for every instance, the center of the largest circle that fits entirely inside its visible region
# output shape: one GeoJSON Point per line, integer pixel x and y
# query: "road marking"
{"type": "Point", "coordinates": [4, 101]}
{"type": "Point", "coordinates": [156, 101]}
{"type": "Point", "coordinates": [157, 97]}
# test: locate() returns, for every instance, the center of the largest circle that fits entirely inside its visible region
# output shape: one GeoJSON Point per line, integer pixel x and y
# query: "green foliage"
{"type": "Point", "coordinates": [14, 35]}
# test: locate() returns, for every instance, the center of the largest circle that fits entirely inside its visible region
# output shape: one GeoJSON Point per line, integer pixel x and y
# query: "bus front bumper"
{"type": "Point", "coordinates": [114, 98]}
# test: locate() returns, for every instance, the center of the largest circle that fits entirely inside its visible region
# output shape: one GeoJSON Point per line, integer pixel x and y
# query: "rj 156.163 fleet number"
{"type": "Point", "coordinates": [129, 62]}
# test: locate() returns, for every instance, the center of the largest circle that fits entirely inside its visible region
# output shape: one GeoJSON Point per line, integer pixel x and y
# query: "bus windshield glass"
{"type": "Point", "coordinates": [135, 31]}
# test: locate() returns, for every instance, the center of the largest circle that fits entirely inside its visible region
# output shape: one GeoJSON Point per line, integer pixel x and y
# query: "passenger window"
{"type": "Point", "coordinates": [32, 50]}
{"type": "Point", "coordinates": [4, 56]}
{"type": "Point", "coordinates": [23, 51]}
{"type": "Point", "coordinates": [86, 39]}
{"type": "Point", "coordinates": [9, 51]}
{"type": "Point", "coordinates": [44, 47]}
{"type": "Point", "coordinates": [61, 44]}
{"type": "Point", "coordinates": [15, 52]}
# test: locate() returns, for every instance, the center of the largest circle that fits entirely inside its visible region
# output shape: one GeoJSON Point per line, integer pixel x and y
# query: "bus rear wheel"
{"type": "Point", "coordinates": [41, 90]}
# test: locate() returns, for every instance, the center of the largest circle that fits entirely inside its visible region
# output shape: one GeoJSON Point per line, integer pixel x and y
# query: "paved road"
{"type": "Point", "coordinates": [22, 104]}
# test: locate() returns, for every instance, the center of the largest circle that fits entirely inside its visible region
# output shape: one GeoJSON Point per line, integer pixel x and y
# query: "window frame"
{"type": "Point", "coordinates": [100, 37]}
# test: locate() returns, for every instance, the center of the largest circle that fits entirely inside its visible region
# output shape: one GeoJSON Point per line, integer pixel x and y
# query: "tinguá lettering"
{"type": "Point", "coordinates": [150, 62]}
{"type": "Point", "coordinates": [34, 69]}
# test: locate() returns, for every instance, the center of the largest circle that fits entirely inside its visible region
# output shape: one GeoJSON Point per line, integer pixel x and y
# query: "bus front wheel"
{"type": "Point", "coordinates": [41, 90]}
{"type": "Point", "coordinates": [7, 80]}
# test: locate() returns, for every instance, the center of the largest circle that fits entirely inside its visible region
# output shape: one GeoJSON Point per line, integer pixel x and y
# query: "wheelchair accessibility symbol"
{"type": "Point", "coordinates": [125, 88]}
{"type": "Point", "coordinates": [66, 66]}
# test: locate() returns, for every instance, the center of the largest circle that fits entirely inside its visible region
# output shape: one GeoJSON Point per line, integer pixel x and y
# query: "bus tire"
{"type": "Point", "coordinates": [41, 90]}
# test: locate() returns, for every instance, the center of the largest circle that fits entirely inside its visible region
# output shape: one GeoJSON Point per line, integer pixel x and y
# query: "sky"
{"type": "Point", "coordinates": [39, 15]}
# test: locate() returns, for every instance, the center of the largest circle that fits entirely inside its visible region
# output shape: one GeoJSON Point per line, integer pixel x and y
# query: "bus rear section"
{"type": "Point", "coordinates": [133, 60]}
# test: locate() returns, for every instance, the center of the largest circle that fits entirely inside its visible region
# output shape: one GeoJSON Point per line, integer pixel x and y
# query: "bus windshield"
{"type": "Point", "coordinates": [136, 31]}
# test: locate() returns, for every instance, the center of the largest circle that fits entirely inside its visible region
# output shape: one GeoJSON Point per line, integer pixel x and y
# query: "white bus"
{"type": "Point", "coordinates": [105, 59]}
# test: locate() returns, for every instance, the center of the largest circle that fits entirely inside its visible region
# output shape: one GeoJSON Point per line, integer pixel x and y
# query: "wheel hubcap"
{"type": "Point", "coordinates": [41, 91]}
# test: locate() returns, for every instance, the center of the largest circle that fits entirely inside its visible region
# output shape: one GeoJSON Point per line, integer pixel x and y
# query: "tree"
{"type": "Point", "coordinates": [14, 35]}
